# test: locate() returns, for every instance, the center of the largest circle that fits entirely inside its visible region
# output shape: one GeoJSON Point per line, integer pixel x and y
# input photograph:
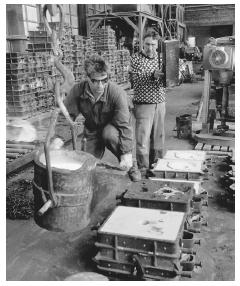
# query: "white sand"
{"type": "Point", "coordinates": [145, 223]}
{"type": "Point", "coordinates": [178, 165]}
{"type": "Point", "coordinates": [186, 154]}
{"type": "Point", "coordinates": [62, 160]}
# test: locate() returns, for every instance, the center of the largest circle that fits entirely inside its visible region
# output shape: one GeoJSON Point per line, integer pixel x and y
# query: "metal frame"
{"type": "Point", "coordinates": [173, 24]}
{"type": "Point", "coordinates": [138, 25]}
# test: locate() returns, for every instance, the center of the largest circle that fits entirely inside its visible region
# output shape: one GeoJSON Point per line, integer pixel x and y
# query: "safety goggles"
{"type": "Point", "coordinates": [97, 81]}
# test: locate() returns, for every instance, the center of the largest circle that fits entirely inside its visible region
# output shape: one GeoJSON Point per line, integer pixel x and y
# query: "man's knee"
{"type": "Point", "coordinates": [110, 134]}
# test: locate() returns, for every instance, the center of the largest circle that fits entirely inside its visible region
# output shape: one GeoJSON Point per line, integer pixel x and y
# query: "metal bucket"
{"type": "Point", "coordinates": [70, 209]}
{"type": "Point", "coordinates": [68, 194]}
{"type": "Point", "coordinates": [184, 126]}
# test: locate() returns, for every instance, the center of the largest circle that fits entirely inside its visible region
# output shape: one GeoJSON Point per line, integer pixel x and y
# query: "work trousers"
{"type": "Point", "coordinates": [149, 133]}
{"type": "Point", "coordinates": [97, 140]}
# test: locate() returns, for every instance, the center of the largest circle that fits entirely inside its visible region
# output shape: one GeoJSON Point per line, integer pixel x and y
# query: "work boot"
{"type": "Point", "coordinates": [150, 173]}
{"type": "Point", "coordinates": [134, 173]}
{"type": "Point", "coordinates": [143, 172]}
{"type": "Point", "coordinates": [156, 154]}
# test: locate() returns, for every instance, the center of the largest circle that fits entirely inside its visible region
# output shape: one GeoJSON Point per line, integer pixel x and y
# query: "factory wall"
{"type": "Point", "coordinates": [201, 15]}
{"type": "Point", "coordinates": [203, 33]}
{"type": "Point", "coordinates": [205, 21]}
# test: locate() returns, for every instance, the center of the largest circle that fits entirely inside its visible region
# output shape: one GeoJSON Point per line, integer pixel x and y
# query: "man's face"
{"type": "Point", "coordinates": [97, 82]}
{"type": "Point", "coordinates": [150, 46]}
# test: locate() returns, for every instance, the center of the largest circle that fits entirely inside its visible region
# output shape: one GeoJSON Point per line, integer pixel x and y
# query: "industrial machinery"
{"type": "Point", "coordinates": [219, 54]}
{"type": "Point", "coordinates": [171, 62]}
{"type": "Point", "coordinates": [219, 59]}
{"type": "Point", "coordinates": [192, 54]}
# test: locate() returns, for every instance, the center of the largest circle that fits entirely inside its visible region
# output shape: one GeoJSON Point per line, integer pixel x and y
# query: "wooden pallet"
{"type": "Point", "coordinates": [19, 162]}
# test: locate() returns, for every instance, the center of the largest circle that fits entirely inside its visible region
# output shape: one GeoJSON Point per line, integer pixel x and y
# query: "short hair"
{"type": "Point", "coordinates": [95, 63]}
{"type": "Point", "coordinates": [152, 34]}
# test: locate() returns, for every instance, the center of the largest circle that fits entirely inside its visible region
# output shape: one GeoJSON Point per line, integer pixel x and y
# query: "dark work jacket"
{"type": "Point", "coordinates": [111, 108]}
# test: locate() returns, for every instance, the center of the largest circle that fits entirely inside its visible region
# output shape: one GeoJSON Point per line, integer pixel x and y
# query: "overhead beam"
{"type": "Point", "coordinates": [140, 32]}
{"type": "Point", "coordinates": [121, 14]}
{"type": "Point", "coordinates": [91, 23]}
{"type": "Point", "coordinates": [144, 22]}
{"type": "Point", "coordinates": [131, 24]}
{"type": "Point", "coordinates": [95, 25]}
{"type": "Point", "coordinates": [125, 14]}
{"type": "Point", "coordinates": [153, 18]}
{"type": "Point", "coordinates": [161, 28]}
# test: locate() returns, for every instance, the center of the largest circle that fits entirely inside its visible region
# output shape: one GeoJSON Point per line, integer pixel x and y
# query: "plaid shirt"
{"type": "Point", "coordinates": [147, 89]}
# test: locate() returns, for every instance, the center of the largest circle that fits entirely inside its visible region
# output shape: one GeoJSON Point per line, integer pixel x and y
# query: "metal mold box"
{"type": "Point", "coordinates": [178, 169]}
{"type": "Point", "coordinates": [186, 155]}
{"type": "Point", "coordinates": [146, 230]}
{"type": "Point", "coordinates": [196, 185]}
{"type": "Point", "coordinates": [171, 262]}
{"type": "Point", "coordinates": [166, 195]}
{"type": "Point", "coordinates": [151, 236]}
{"type": "Point", "coordinates": [112, 267]}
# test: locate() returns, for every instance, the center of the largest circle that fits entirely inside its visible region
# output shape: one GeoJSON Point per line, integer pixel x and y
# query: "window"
{"type": "Point", "coordinates": [30, 17]}
{"type": "Point", "coordinates": [70, 17]}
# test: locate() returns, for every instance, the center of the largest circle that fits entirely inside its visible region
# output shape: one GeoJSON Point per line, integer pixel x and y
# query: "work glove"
{"type": "Point", "coordinates": [158, 74]}
{"type": "Point", "coordinates": [126, 161]}
{"type": "Point", "coordinates": [56, 144]}
{"type": "Point", "coordinates": [134, 173]}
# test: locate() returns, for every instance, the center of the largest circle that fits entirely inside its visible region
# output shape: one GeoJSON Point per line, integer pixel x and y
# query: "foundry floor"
{"type": "Point", "coordinates": [34, 254]}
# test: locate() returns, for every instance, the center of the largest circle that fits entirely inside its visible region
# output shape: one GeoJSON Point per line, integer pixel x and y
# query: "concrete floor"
{"type": "Point", "coordinates": [35, 254]}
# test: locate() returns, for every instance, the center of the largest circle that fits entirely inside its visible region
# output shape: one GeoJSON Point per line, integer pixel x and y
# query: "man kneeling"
{"type": "Point", "coordinates": [104, 106]}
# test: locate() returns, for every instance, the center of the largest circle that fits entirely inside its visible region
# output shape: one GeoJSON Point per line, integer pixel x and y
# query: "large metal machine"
{"type": "Point", "coordinates": [219, 59]}
{"type": "Point", "coordinates": [219, 54]}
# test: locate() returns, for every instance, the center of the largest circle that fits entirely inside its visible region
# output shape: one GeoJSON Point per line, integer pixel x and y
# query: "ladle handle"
{"type": "Point", "coordinates": [52, 11]}
{"type": "Point", "coordinates": [51, 128]}
{"type": "Point", "coordinates": [53, 122]}
{"type": "Point", "coordinates": [56, 36]}
{"type": "Point", "coordinates": [45, 207]}
{"type": "Point", "coordinates": [65, 113]}
{"type": "Point", "coordinates": [65, 73]}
